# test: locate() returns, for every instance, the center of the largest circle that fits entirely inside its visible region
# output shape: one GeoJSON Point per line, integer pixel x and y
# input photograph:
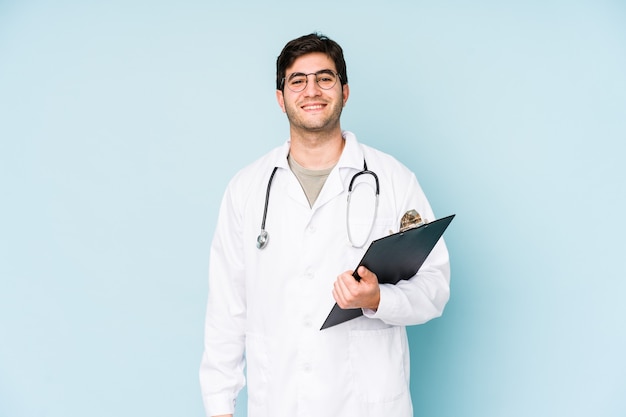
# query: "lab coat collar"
{"type": "Point", "coordinates": [352, 155]}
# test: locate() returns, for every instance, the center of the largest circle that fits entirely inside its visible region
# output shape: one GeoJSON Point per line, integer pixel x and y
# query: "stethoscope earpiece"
{"type": "Point", "coordinates": [261, 241]}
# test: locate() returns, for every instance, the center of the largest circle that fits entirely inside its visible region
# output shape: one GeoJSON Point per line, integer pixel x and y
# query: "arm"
{"type": "Point", "coordinates": [222, 366]}
{"type": "Point", "coordinates": [425, 295]}
{"type": "Point", "coordinates": [420, 298]}
{"type": "Point", "coordinates": [413, 301]}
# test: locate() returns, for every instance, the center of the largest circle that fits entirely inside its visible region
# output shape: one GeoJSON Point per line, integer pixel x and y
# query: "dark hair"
{"type": "Point", "coordinates": [315, 42]}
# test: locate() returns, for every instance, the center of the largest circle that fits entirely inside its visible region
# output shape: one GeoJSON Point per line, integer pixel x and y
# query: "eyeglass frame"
{"type": "Point", "coordinates": [316, 73]}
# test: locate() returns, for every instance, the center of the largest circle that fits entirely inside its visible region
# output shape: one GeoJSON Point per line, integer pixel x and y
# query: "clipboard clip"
{"type": "Point", "coordinates": [410, 220]}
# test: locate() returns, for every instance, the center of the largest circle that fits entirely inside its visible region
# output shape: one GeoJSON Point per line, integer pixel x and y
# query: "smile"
{"type": "Point", "coordinates": [313, 107]}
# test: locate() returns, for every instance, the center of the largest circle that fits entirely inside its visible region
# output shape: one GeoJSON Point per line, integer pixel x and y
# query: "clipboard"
{"type": "Point", "coordinates": [393, 258]}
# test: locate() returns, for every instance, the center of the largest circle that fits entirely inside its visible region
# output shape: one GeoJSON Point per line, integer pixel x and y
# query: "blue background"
{"type": "Point", "coordinates": [122, 121]}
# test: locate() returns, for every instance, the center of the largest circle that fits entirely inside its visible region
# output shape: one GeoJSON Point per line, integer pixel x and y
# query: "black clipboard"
{"type": "Point", "coordinates": [393, 258]}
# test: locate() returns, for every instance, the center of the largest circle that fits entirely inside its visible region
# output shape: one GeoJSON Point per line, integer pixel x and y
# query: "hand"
{"type": "Point", "coordinates": [350, 293]}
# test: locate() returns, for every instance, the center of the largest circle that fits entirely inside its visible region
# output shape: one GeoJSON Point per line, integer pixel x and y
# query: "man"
{"type": "Point", "coordinates": [267, 300]}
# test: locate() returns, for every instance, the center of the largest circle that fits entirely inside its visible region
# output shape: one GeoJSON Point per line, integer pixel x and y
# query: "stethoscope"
{"type": "Point", "coordinates": [264, 237]}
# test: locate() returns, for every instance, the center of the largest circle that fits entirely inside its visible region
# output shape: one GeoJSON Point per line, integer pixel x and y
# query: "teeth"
{"type": "Point", "coordinates": [318, 107]}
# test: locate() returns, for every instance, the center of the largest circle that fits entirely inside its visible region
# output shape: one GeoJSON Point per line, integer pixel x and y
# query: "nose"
{"type": "Point", "coordinates": [311, 89]}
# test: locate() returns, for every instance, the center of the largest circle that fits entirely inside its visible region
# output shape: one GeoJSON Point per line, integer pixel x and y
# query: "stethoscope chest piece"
{"type": "Point", "coordinates": [262, 239]}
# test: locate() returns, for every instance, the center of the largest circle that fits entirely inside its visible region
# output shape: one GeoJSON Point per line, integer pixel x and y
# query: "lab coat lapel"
{"type": "Point", "coordinates": [331, 189]}
{"type": "Point", "coordinates": [294, 189]}
{"type": "Point", "coordinates": [288, 182]}
{"type": "Point", "coordinates": [350, 162]}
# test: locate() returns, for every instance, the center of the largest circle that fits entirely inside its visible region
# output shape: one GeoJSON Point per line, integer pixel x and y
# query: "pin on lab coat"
{"type": "Point", "coordinates": [265, 307]}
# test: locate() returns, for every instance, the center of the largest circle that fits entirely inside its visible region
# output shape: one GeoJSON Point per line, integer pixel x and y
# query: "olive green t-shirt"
{"type": "Point", "coordinates": [311, 180]}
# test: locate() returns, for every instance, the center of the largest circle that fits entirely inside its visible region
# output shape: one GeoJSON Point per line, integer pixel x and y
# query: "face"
{"type": "Point", "coordinates": [313, 109]}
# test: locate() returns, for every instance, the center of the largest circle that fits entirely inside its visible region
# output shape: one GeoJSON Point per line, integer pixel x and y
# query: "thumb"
{"type": "Point", "coordinates": [366, 275]}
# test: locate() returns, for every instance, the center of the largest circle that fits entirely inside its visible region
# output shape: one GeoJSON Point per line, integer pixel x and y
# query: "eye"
{"type": "Point", "coordinates": [296, 79]}
{"type": "Point", "coordinates": [326, 79]}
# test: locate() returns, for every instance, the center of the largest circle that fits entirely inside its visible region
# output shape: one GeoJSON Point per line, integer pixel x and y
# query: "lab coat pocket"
{"type": "Point", "coordinates": [379, 364]}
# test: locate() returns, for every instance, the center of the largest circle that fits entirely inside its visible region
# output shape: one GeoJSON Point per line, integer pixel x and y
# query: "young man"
{"type": "Point", "coordinates": [267, 300]}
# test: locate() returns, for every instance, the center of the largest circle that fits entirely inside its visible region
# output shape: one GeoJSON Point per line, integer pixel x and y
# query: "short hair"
{"type": "Point", "coordinates": [314, 42]}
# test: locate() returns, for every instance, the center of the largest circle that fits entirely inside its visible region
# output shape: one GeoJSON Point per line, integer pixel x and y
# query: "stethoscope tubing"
{"type": "Point", "coordinates": [263, 238]}
{"type": "Point", "coordinates": [365, 171]}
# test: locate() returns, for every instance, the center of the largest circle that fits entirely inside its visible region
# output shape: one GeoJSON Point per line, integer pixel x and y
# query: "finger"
{"type": "Point", "coordinates": [365, 274]}
{"type": "Point", "coordinates": [348, 285]}
{"type": "Point", "coordinates": [338, 294]}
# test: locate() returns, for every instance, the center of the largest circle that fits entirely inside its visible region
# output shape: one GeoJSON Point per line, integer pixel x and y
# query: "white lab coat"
{"type": "Point", "coordinates": [265, 307]}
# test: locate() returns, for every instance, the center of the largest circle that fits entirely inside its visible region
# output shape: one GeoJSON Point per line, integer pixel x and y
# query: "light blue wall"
{"type": "Point", "coordinates": [122, 121]}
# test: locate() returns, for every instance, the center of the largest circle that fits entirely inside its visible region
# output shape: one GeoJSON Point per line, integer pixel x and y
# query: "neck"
{"type": "Point", "coordinates": [314, 151]}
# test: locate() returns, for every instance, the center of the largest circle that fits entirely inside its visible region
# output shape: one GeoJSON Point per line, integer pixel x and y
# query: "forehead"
{"type": "Point", "coordinates": [312, 62]}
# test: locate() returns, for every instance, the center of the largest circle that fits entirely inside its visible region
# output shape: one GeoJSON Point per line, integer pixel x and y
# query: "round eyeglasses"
{"type": "Point", "coordinates": [325, 79]}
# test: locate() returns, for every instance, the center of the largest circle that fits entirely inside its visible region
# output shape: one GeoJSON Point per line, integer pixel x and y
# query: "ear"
{"type": "Point", "coordinates": [345, 93]}
{"type": "Point", "coordinates": [281, 99]}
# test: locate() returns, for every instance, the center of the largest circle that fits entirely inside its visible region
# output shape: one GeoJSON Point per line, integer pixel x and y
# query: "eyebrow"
{"type": "Point", "coordinates": [322, 71]}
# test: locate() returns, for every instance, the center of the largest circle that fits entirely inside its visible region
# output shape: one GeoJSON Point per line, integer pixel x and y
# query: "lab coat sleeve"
{"type": "Point", "coordinates": [222, 366]}
{"type": "Point", "coordinates": [424, 296]}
